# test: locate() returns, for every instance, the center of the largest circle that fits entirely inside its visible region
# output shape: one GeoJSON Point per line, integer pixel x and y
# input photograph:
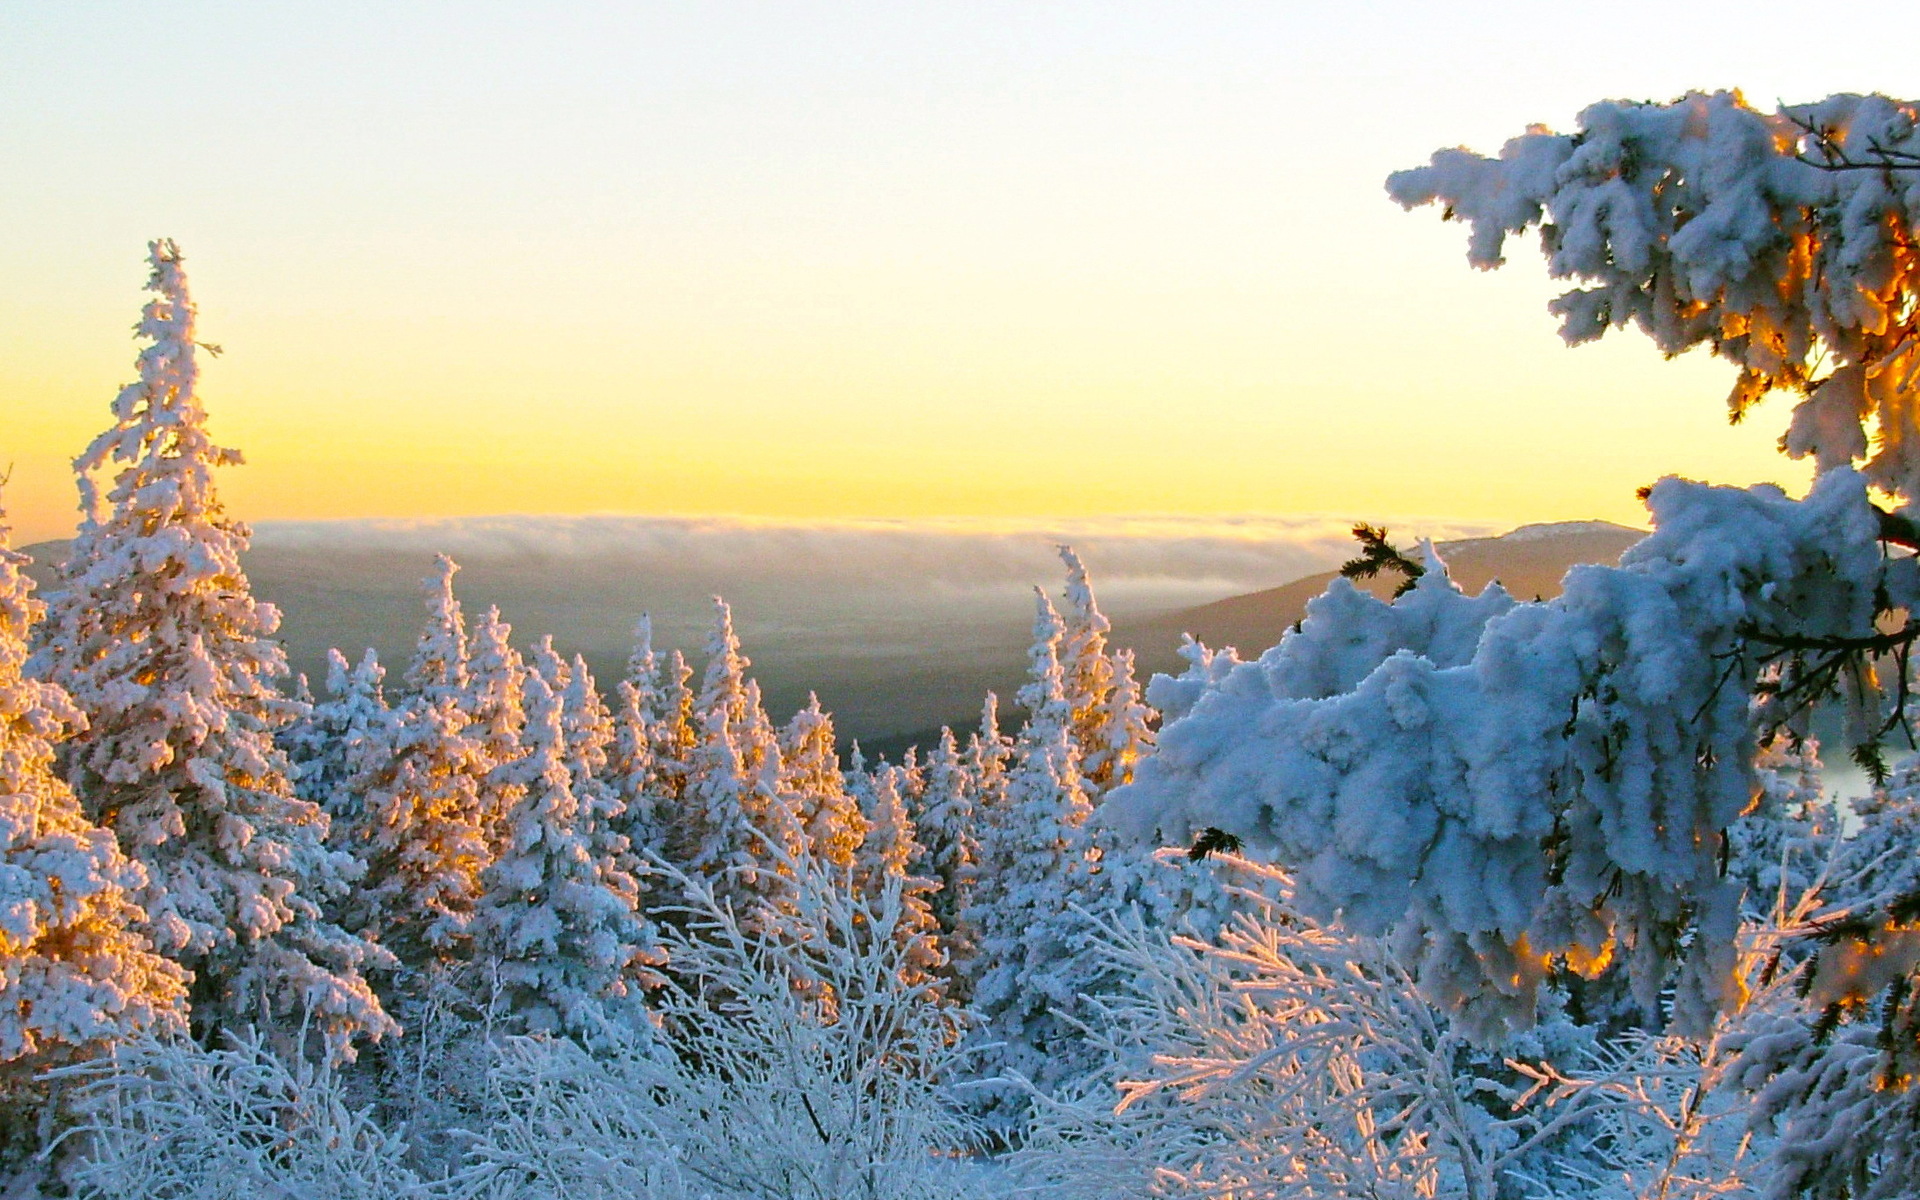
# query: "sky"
{"type": "Point", "coordinates": [832, 260]}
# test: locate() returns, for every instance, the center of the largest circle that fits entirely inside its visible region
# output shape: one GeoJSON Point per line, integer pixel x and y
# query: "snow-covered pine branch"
{"type": "Point", "coordinates": [1505, 788]}
{"type": "Point", "coordinates": [1708, 221]}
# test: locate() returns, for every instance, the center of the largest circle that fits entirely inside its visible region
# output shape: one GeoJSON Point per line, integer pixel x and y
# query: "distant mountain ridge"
{"type": "Point", "coordinates": [1529, 562]}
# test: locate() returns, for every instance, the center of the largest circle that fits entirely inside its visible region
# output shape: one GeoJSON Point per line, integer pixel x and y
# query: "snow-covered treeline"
{"type": "Point", "coordinates": [1465, 896]}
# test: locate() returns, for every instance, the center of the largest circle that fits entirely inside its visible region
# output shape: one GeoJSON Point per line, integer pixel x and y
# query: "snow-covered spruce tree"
{"type": "Point", "coordinates": [816, 789]}
{"type": "Point", "coordinates": [746, 831]}
{"type": "Point", "coordinates": [1027, 845]}
{"type": "Point", "coordinates": [586, 724]}
{"type": "Point", "coordinates": [496, 714]}
{"type": "Point", "coordinates": [988, 753]}
{"type": "Point", "coordinates": [1562, 792]}
{"type": "Point", "coordinates": [422, 836]}
{"type": "Point", "coordinates": [75, 972]}
{"type": "Point", "coordinates": [556, 924]}
{"type": "Point", "coordinates": [949, 843]}
{"type": "Point", "coordinates": [633, 767]}
{"type": "Point", "coordinates": [886, 857]}
{"type": "Point", "coordinates": [344, 736]}
{"type": "Point", "coordinates": [1110, 725]}
{"type": "Point", "coordinates": [157, 637]}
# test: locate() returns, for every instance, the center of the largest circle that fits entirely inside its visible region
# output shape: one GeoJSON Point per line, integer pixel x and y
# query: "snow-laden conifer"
{"type": "Point", "coordinates": [587, 725]}
{"type": "Point", "coordinates": [723, 685]}
{"type": "Point", "coordinates": [353, 734]}
{"type": "Point", "coordinates": [886, 858]}
{"type": "Point", "coordinates": [75, 971]}
{"type": "Point", "coordinates": [1780, 239]}
{"type": "Point", "coordinates": [1027, 845]}
{"type": "Point", "coordinates": [949, 843]}
{"type": "Point", "coordinates": [732, 795]}
{"type": "Point", "coordinates": [988, 753]}
{"type": "Point", "coordinates": [496, 714]}
{"type": "Point", "coordinates": [1123, 734]}
{"type": "Point", "coordinates": [423, 838]}
{"type": "Point", "coordinates": [157, 637]}
{"type": "Point", "coordinates": [438, 668]}
{"type": "Point", "coordinates": [558, 924]}
{"type": "Point", "coordinates": [633, 768]}
{"type": "Point", "coordinates": [816, 789]}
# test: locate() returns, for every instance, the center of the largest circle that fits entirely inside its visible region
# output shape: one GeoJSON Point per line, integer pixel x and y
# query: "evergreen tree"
{"type": "Point", "coordinates": [547, 663]}
{"type": "Point", "coordinates": [950, 846]}
{"type": "Point", "coordinates": [747, 833]}
{"type": "Point", "coordinates": [558, 923]}
{"type": "Point", "coordinates": [988, 753]}
{"type": "Point", "coordinates": [887, 854]}
{"type": "Point", "coordinates": [1027, 846]}
{"type": "Point", "coordinates": [1110, 725]}
{"type": "Point", "coordinates": [587, 725]}
{"type": "Point", "coordinates": [352, 733]}
{"type": "Point", "coordinates": [75, 972]}
{"type": "Point", "coordinates": [814, 787]}
{"type": "Point", "coordinates": [158, 639]}
{"type": "Point", "coordinates": [423, 840]}
{"type": "Point", "coordinates": [493, 703]}
{"type": "Point", "coordinates": [633, 761]}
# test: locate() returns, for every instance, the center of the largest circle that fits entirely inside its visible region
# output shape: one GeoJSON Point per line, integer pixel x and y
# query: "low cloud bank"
{"type": "Point", "coordinates": [1212, 553]}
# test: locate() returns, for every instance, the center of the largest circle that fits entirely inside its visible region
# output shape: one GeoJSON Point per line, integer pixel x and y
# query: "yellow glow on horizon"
{"type": "Point", "coordinates": [865, 262]}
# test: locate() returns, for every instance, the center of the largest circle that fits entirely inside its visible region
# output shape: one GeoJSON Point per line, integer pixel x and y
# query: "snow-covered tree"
{"type": "Point", "coordinates": [988, 753]}
{"type": "Point", "coordinates": [587, 725]}
{"type": "Point", "coordinates": [495, 713]}
{"type": "Point", "coordinates": [1782, 240]}
{"type": "Point", "coordinates": [634, 768]}
{"type": "Point", "coordinates": [732, 797]}
{"type": "Point", "coordinates": [1109, 739]}
{"type": "Point", "coordinates": [949, 841]}
{"type": "Point", "coordinates": [556, 922]}
{"type": "Point", "coordinates": [75, 972]}
{"type": "Point", "coordinates": [423, 837]}
{"type": "Point", "coordinates": [157, 637]}
{"type": "Point", "coordinates": [344, 736]}
{"type": "Point", "coordinates": [886, 857]}
{"type": "Point", "coordinates": [1554, 785]}
{"type": "Point", "coordinates": [1027, 846]}
{"type": "Point", "coordinates": [816, 789]}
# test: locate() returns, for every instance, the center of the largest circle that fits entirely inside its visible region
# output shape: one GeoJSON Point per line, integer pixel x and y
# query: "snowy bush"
{"type": "Point", "coordinates": [168, 1120]}
{"type": "Point", "coordinates": [798, 1058]}
{"type": "Point", "coordinates": [1293, 1059]}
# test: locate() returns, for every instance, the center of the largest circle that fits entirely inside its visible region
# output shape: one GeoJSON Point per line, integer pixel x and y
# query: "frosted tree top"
{"type": "Point", "coordinates": [1784, 240]}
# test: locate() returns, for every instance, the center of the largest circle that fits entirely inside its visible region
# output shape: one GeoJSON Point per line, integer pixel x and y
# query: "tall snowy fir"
{"type": "Point", "coordinates": [815, 788]}
{"type": "Point", "coordinates": [887, 854]}
{"type": "Point", "coordinates": [949, 844]}
{"type": "Point", "coordinates": [633, 758]}
{"type": "Point", "coordinates": [157, 637]}
{"type": "Point", "coordinates": [340, 739]}
{"type": "Point", "coordinates": [75, 972]}
{"type": "Point", "coordinates": [746, 829]}
{"type": "Point", "coordinates": [1028, 841]}
{"type": "Point", "coordinates": [423, 837]}
{"type": "Point", "coordinates": [495, 713]}
{"type": "Point", "coordinates": [558, 926]}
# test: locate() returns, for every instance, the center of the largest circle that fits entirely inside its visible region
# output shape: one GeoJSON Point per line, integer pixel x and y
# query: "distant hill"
{"type": "Point", "coordinates": [1529, 562]}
